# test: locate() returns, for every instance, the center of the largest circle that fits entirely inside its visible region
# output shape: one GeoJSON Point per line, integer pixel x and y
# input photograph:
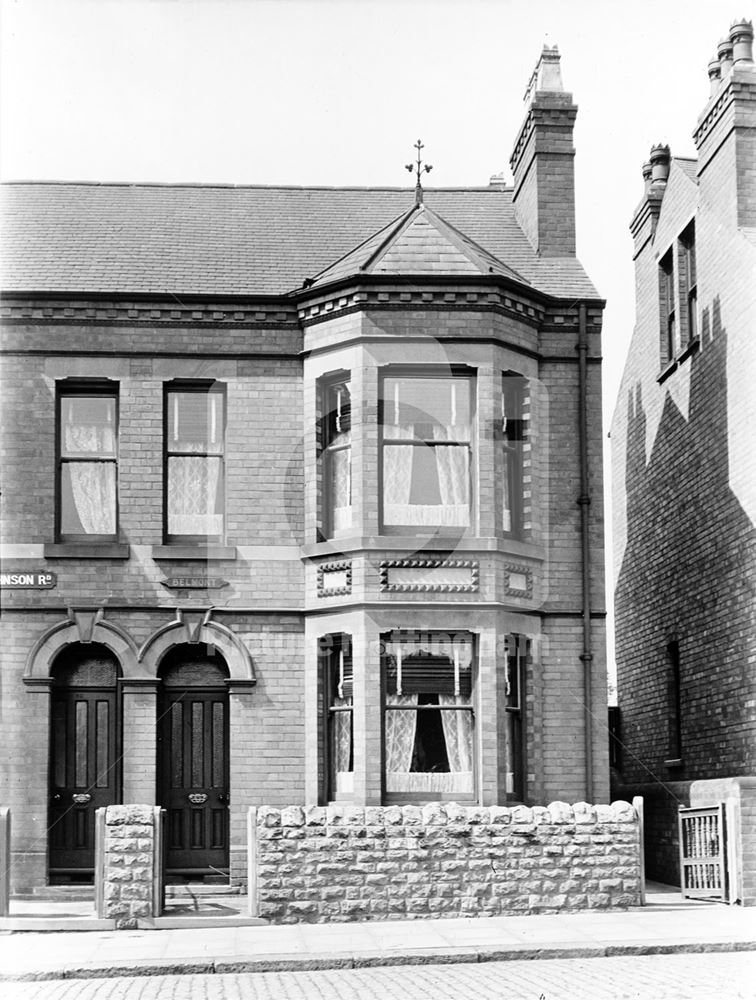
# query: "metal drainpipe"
{"type": "Point", "coordinates": [584, 500]}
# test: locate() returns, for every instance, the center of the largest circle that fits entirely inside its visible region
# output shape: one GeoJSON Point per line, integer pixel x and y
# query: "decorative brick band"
{"type": "Point", "coordinates": [436, 299]}
{"type": "Point", "coordinates": [334, 578]}
{"type": "Point", "coordinates": [342, 863]}
{"type": "Point", "coordinates": [429, 568]}
{"type": "Point", "coordinates": [519, 587]}
{"type": "Point", "coordinates": [20, 309]}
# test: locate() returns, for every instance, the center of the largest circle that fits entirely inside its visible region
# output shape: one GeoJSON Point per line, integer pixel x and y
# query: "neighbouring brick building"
{"type": "Point", "coordinates": [302, 502]}
{"type": "Point", "coordinates": [684, 468]}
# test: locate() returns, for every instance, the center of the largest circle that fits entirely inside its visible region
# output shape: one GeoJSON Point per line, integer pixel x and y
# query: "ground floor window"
{"type": "Point", "coordinates": [428, 713]}
{"type": "Point", "coordinates": [336, 664]}
{"type": "Point", "coordinates": [516, 655]}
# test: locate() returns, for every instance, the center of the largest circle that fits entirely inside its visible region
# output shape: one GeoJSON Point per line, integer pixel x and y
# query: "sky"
{"type": "Point", "coordinates": [336, 92]}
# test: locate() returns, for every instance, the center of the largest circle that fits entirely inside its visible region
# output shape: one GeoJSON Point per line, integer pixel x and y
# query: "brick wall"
{"type": "Point", "coordinates": [340, 864]}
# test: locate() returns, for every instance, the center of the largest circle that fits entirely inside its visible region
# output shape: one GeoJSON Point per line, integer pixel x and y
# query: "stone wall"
{"type": "Point", "coordinates": [125, 865]}
{"type": "Point", "coordinates": [375, 863]}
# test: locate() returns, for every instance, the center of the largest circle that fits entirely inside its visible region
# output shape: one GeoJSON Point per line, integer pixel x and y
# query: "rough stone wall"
{"type": "Point", "coordinates": [128, 865]}
{"type": "Point", "coordinates": [339, 863]}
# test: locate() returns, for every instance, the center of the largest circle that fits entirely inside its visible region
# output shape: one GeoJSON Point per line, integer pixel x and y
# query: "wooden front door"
{"type": "Point", "coordinates": [193, 765]}
{"type": "Point", "coordinates": [84, 757]}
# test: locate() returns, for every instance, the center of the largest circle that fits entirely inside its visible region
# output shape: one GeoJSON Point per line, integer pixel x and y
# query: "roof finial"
{"type": "Point", "coordinates": [420, 168]}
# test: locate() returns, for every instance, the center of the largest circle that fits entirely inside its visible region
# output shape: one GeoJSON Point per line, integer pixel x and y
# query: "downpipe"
{"type": "Point", "coordinates": [584, 501]}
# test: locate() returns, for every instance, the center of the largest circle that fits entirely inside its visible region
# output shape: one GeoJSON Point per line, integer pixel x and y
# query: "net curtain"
{"type": "Point", "coordinates": [93, 484]}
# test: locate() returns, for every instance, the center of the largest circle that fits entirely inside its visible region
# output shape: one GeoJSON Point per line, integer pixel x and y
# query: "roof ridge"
{"type": "Point", "coordinates": [254, 187]}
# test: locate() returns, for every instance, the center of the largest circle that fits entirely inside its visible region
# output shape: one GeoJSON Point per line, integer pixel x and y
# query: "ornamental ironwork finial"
{"type": "Point", "coordinates": [420, 168]}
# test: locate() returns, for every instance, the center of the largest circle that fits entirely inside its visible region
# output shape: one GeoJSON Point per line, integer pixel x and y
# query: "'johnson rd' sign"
{"type": "Point", "coordinates": [28, 581]}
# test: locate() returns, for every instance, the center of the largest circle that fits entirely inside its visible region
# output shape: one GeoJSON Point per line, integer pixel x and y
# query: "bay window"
{"type": "Point", "coordinates": [428, 714]}
{"type": "Point", "coordinates": [194, 473]}
{"type": "Point", "coordinates": [87, 463]}
{"type": "Point", "coordinates": [426, 426]}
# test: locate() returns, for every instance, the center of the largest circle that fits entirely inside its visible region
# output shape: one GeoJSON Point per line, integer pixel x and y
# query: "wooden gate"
{"type": "Point", "coordinates": [703, 856]}
{"type": "Point", "coordinates": [193, 766]}
{"type": "Point", "coordinates": [84, 757]}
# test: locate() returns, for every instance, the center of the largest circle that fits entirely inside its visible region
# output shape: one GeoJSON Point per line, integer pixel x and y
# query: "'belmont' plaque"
{"type": "Point", "coordinates": [194, 583]}
{"type": "Point", "coordinates": [34, 580]}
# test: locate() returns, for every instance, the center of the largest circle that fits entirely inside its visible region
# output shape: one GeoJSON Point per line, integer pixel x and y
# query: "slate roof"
{"type": "Point", "coordinates": [688, 166]}
{"type": "Point", "coordinates": [225, 240]}
{"type": "Point", "coordinates": [420, 242]}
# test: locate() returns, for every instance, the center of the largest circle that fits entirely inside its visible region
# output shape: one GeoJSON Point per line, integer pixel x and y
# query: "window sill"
{"type": "Point", "coordinates": [666, 372]}
{"type": "Point", "coordinates": [194, 553]}
{"type": "Point", "coordinates": [87, 550]}
{"type": "Point", "coordinates": [688, 351]}
{"type": "Point", "coordinates": [677, 762]}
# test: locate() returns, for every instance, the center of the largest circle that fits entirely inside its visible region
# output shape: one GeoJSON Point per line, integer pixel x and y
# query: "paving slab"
{"type": "Point", "coordinates": [659, 928]}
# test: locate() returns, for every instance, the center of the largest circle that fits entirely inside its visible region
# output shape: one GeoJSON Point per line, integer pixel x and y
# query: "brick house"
{"type": "Point", "coordinates": [303, 502]}
{"type": "Point", "coordinates": [684, 482]}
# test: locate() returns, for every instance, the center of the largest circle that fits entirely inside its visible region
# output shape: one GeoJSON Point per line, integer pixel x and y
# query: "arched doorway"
{"type": "Point", "coordinates": [192, 766]}
{"type": "Point", "coordinates": [85, 752]}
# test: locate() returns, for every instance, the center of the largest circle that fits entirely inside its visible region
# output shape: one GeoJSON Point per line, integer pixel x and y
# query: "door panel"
{"type": "Point", "coordinates": [193, 770]}
{"type": "Point", "coordinates": [82, 774]}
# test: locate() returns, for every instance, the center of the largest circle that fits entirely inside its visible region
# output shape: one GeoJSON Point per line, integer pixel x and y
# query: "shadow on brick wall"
{"type": "Point", "coordinates": [686, 581]}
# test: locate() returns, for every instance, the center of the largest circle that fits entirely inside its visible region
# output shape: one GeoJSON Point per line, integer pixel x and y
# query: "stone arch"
{"type": "Point", "coordinates": [197, 626]}
{"type": "Point", "coordinates": [85, 626]}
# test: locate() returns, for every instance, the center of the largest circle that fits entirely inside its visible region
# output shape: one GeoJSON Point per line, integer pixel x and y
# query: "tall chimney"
{"type": "Point", "coordinates": [543, 162]}
{"type": "Point", "coordinates": [725, 134]}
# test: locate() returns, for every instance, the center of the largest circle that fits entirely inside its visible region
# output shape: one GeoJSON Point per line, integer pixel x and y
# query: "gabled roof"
{"type": "Point", "coordinates": [420, 242]}
{"type": "Point", "coordinates": [133, 239]}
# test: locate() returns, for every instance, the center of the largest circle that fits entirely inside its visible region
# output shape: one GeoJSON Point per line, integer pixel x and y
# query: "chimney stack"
{"type": "Point", "coordinates": [543, 161]}
{"type": "Point", "coordinates": [725, 134]}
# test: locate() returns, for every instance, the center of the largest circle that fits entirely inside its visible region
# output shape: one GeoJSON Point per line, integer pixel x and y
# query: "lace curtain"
{"type": "Point", "coordinates": [93, 484]}
{"type": "Point", "coordinates": [453, 486]}
{"type": "Point", "coordinates": [341, 488]}
{"type": "Point", "coordinates": [400, 741]}
{"type": "Point", "coordinates": [458, 735]}
{"type": "Point", "coordinates": [342, 746]}
{"type": "Point", "coordinates": [192, 496]}
{"type": "Point", "coordinates": [93, 487]}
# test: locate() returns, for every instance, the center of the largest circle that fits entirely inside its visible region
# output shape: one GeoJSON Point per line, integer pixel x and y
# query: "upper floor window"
{"type": "Point", "coordinates": [512, 434]}
{"type": "Point", "coordinates": [427, 450]}
{"type": "Point", "coordinates": [336, 451]}
{"type": "Point", "coordinates": [194, 472]}
{"type": "Point", "coordinates": [88, 463]}
{"type": "Point", "coordinates": [428, 718]}
{"type": "Point", "coordinates": [678, 297]}
{"type": "Point", "coordinates": [669, 329]}
{"type": "Point", "coordinates": [688, 281]}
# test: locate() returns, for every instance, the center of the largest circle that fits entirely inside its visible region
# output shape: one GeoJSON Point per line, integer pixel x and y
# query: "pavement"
{"type": "Point", "coordinates": [668, 924]}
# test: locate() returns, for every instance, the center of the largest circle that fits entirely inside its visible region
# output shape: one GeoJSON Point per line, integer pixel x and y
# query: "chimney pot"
{"type": "Point", "coordinates": [724, 53]}
{"type": "Point", "coordinates": [647, 175]}
{"type": "Point", "coordinates": [660, 159]}
{"type": "Point", "coordinates": [741, 39]}
{"type": "Point", "coordinates": [715, 74]}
